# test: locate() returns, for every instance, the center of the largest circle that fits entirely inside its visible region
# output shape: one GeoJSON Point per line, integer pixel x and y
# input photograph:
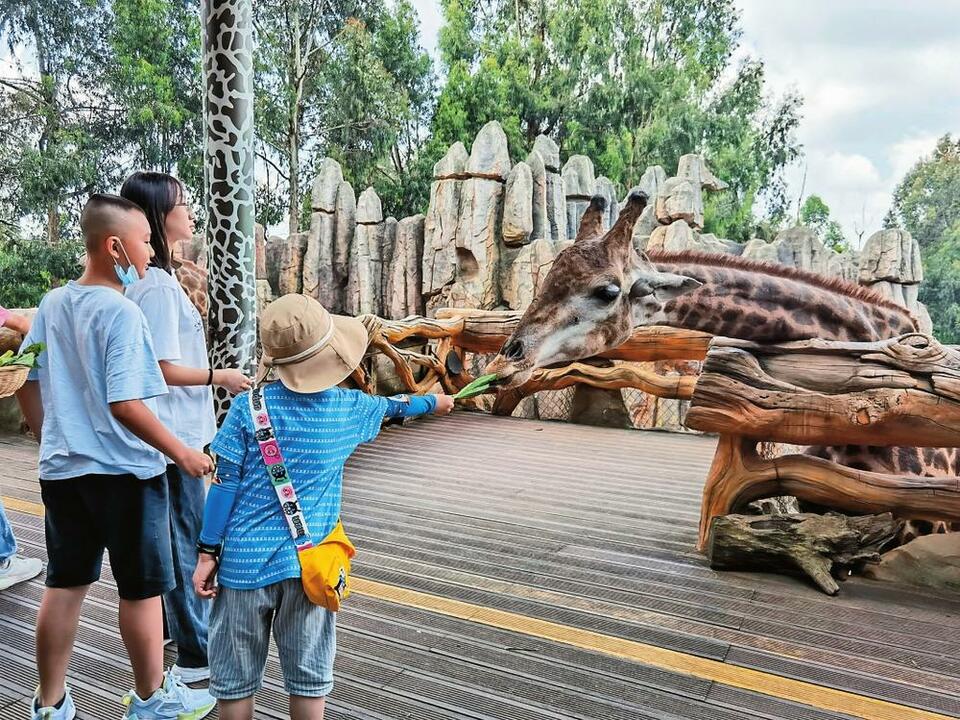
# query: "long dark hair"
{"type": "Point", "coordinates": [157, 194]}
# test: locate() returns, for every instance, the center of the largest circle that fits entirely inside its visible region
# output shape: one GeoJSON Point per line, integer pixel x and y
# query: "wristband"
{"type": "Point", "coordinates": [205, 549]}
{"type": "Point", "coordinates": [210, 377]}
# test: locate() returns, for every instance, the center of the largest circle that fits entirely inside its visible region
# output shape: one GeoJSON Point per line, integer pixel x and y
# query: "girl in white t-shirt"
{"type": "Point", "coordinates": [177, 332]}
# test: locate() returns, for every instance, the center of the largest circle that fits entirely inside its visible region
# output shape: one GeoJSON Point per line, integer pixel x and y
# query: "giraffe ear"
{"type": "Point", "coordinates": [665, 286]}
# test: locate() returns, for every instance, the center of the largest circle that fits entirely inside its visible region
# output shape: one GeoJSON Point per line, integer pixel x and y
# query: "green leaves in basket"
{"type": "Point", "coordinates": [28, 358]}
{"type": "Point", "coordinates": [477, 387]}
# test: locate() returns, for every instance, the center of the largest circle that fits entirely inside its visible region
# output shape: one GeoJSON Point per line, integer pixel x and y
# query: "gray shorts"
{"type": "Point", "coordinates": [305, 634]}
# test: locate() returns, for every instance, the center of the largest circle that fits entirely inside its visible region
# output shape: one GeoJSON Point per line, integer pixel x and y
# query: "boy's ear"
{"type": "Point", "coordinates": [111, 244]}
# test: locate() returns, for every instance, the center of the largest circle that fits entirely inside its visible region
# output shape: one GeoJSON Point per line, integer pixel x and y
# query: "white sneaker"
{"type": "Point", "coordinates": [191, 675]}
{"type": "Point", "coordinates": [66, 711]}
{"type": "Point", "coordinates": [18, 569]}
{"type": "Point", "coordinates": [173, 701]}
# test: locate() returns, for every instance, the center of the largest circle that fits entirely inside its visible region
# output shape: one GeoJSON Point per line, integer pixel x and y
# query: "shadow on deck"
{"type": "Point", "coordinates": [523, 570]}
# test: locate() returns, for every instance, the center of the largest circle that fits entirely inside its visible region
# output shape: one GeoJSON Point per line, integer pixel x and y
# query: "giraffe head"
{"type": "Point", "coordinates": [597, 291]}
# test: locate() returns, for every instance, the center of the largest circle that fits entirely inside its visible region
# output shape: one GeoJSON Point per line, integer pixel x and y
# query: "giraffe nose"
{"type": "Point", "coordinates": [513, 350]}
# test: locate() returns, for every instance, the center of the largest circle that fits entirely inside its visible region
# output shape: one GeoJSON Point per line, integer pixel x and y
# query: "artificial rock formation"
{"type": "Point", "coordinates": [364, 291]}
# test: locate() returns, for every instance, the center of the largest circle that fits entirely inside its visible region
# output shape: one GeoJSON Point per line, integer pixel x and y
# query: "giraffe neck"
{"type": "Point", "coordinates": [765, 303]}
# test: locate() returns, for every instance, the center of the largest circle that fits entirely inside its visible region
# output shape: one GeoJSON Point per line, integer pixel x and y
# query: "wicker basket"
{"type": "Point", "coordinates": [12, 378]}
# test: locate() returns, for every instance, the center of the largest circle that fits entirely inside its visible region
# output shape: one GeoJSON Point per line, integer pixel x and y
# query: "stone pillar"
{"type": "Point", "coordinates": [481, 211]}
{"type": "Point", "coordinates": [556, 217]}
{"type": "Point", "coordinates": [290, 273]}
{"type": "Point", "coordinates": [364, 283]}
{"type": "Point", "coordinates": [440, 225]}
{"type": "Point", "coordinates": [406, 270]}
{"type": "Point", "coordinates": [318, 275]}
{"type": "Point", "coordinates": [579, 186]}
{"type": "Point", "coordinates": [518, 206]}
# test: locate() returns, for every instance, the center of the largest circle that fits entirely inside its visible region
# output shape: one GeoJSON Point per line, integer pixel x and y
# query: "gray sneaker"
{"type": "Point", "coordinates": [173, 701]}
{"type": "Point", "coordinates": [18, 569]}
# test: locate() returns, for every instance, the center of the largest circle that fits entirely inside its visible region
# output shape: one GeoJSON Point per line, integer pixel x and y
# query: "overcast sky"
{"type": "Point", "coordinates": [880, 81]}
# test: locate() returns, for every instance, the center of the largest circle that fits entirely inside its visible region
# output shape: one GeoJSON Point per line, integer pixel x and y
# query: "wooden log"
{"type": "Point", "coordinates": [900, 392]}
{"type": "Point", "coordinates": [739, 475]}
{"type": "Point", "coordinates": [813, 545]}
{"type": "Point", "coordinates": [615, 377]}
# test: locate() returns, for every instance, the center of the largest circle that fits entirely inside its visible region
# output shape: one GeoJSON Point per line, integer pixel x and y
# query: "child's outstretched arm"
{"type": "Point", "coordinates": [402, 406]}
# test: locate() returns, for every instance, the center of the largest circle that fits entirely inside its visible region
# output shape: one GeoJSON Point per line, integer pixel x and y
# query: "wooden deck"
{"type": "Point", "coordinates": [522, 570]}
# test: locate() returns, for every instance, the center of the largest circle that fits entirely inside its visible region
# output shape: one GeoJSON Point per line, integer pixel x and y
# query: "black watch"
{"type": "Point", "coordinates": [205, 549]}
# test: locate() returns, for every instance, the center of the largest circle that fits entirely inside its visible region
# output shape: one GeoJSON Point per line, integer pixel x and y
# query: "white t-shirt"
{"type": "Point", "coordinates": [177, 332]}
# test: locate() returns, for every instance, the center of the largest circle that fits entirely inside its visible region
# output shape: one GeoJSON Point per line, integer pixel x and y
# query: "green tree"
{"type": "Point", "coordinates": [927, 204]}
{"type": "Point", "coordinates": [347, 81]}
{"type": "Point", "coordinates": [57, 149]}
{"type": "Point", "coordinates": [815, 214]}
{"type": "Point", "coordinates": [628, 84]}
{"type": "Point", "coordinates": [154, 84]}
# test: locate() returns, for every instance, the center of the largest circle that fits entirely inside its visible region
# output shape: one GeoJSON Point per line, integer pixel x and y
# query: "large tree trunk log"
{"type": "Point", "coordinates": [810, 545]}
{"type": "Point", "coordinates": [485, 331]}
{"type": "Point", "coordinates": [738, 476]}
{"type": "Point", "coordinates": [901, 392]}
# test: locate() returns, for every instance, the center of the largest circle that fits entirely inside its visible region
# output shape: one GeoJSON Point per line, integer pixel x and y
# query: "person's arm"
{"type": "Point", "coordinates": [31, 406]}
{"type": "Point", "coordinates": [17, 323]}
{"type": "Point", "coordinates": [180, 375]}
{"type": "Point", "coordinates": [136, 417]}
{"type": "Point", "coordinates": [219, 505]}
{"type": "Point", "coordinates": [415, 405]}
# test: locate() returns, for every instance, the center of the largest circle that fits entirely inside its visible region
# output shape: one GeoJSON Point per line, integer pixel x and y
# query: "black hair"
{"type": "Point", "coordinates": [156, 194]}
{"type": "Point", "coordinates": [101, 216]}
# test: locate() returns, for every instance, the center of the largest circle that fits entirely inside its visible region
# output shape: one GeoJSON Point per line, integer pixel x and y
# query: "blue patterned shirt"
{"type": "Point", "coordinates": [316, 432]}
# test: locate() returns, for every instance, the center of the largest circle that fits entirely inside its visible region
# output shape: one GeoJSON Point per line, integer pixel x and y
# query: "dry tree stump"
{"type": "Point", "coordinates": [817, 546]}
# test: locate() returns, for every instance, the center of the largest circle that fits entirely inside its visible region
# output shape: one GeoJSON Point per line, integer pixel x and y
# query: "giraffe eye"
{"type": "Point", "coordinates": [607, 293]}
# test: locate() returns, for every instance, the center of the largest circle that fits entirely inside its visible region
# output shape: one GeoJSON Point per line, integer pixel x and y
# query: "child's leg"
{"type": "Point", "coordinates": [306, 637]}
{"type": "Point", "coordinates": [57, 622]}
{"type": "Point", "coordinates": [306, 708]}
{"type": "Point", "coordinates": [236, 709]}
{"type": "Point", "coordinates": [141, 627]}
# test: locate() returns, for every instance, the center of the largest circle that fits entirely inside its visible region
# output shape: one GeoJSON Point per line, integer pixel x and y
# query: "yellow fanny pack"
{"type": "Point", "coordinates": [324, 567]}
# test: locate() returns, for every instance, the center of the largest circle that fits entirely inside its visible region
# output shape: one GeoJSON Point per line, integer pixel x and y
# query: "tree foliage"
{"type": "Point", "coordinates": [815, 214]}
{"type": "Point", "coordinates": [629, 84]}
{"type": "Point", "coordinates": [927, 204]}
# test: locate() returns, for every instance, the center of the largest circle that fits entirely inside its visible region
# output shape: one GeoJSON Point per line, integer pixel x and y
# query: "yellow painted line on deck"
{"type": "Point", "coordinates": [25, 506]}
{"type": "Point", "coordinates": [757, 681]}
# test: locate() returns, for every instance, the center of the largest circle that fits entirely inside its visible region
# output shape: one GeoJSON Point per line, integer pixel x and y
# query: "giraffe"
{"type": "Point", "coordinates": [229, 176]}
{"type": "Point", "coordinates": [193, 280]}
{"type": "Point", "coordinates": [600, 288]}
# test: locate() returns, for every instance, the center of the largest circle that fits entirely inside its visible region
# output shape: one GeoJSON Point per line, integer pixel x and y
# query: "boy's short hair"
{"type": "Point", "coordinates": [103, 215]}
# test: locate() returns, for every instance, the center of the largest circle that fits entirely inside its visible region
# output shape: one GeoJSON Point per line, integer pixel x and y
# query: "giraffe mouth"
{"type": "Point", "coordinates": [510, 373]}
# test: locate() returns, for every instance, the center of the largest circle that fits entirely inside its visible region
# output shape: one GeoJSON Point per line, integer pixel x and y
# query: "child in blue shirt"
{"type": "Point", "coordinates": [92, 406]}
{"type": "Point", "coordinates": [317, 426]}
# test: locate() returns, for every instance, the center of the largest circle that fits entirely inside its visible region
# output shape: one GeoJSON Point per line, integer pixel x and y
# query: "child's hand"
{"type": "Point", "coordinates": [194, 462]}
{"type": "Point", "coordinates": [444, 405]}
{"type": "Point", "coordinates": [233, 380]}
{"type": "Point", "coordinates": [205, 576]}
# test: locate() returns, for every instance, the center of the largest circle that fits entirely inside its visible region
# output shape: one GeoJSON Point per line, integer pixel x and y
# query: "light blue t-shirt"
{"type": "Point", "coordinates": [98, 351]}
{"type": "Point", "coordinates": [176, 329]}
{"type": "Point", "coordinates": [316, 432]}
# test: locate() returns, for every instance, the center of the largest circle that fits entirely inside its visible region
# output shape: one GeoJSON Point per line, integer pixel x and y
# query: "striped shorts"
{"type": "Point", "coordinates": [240, 624]}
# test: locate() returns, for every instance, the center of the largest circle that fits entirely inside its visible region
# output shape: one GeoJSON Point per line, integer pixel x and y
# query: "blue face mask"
{"type": "Point", "coordinates": [129, 276]}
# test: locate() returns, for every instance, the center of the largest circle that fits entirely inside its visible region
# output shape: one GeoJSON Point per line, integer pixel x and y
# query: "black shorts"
{"type": "Point", "coordinates": [127, 516]}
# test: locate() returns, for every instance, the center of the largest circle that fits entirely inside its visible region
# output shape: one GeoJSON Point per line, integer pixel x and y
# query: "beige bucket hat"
{"type": "Point", "coordinates": [310, 349]}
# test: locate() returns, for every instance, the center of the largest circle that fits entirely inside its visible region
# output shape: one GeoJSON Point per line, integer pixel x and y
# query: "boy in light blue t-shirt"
{"type": "Point", "coordinates": [102, 467]}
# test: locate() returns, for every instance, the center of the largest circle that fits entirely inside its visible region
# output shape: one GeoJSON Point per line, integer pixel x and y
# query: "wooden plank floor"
{"type": "Point", "coordinates": [586, 532]}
